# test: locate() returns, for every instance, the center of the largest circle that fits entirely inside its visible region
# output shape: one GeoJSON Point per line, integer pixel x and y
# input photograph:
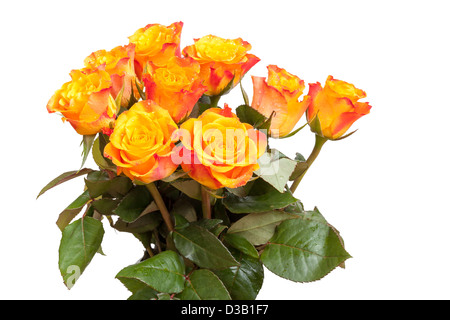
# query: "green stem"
{"type": "Point", "coordinates": [320, 141]}
{"type": "Point", "coordinates": [161, 205]}
{"type": "Point", "coordinates": [214, 100]}
{"type": "Point", "coordinates": [206, 204]}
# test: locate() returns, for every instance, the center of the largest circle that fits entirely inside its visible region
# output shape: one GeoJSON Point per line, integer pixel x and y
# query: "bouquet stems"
{"type": "Point", "coordinates": [161, 205]}
{"type": "Point", "coordinates": [206, 204]}
{"type": "Point", "coordinates": [320, 141]}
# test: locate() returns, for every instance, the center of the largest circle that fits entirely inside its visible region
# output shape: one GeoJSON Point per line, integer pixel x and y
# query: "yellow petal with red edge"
{"type": "Point", "coordinates": [155, 169]}
{"type": "Point", "coordinates": [345, 120]}
{"type": "Point", "coordinates": [341, 89]}
{"type": "Point", "coordinates": [235, 178]}
{"type": "Point", "coordinates": [199, 172]}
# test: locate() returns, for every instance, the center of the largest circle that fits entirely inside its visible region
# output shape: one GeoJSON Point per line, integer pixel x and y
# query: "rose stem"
{"type": "Point", "coordinates": [320, 141]}
{"type": "Point", "coordinates": [206, 204]}
{"type": "Point", "coordinates": [214, 100]}
{"type": "Point", "coordinates": [161, 205]}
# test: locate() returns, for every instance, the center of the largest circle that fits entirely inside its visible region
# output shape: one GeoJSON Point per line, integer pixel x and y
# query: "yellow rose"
{"type": "Point", "coordinates": [176, 87]}
{"type": "Point", "coordinates": [334, 108]}
{"type": "Point", "coordinates": [119, 63]}
{"type": "Point", "coordinates": [157, 43]}
{"type": "Point", "coordinates": [141, 145]}
{"type": "Point", "coordinates": [86, 101]}
{"type": "Point", "coordinates": [218, 150]}
{"type": "Point", "coordinates": [279, 95]}
{"type": "Point", "coordinates": [223, 61]}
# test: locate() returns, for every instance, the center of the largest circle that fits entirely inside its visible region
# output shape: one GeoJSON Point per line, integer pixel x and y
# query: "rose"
{"type": "Point", "coordinates": [140, 145]}
{"type": "Point", "coordinates": [86, 101]}
{"type": "Point", "coordinates": [280, 96]}
{"type": "Point", "coordinates": [119, 63]}
{"type": "Point", "coordinates": [218, 150]}
{"type": "Point", "coordinates": [223, 61]}
{"type": "Point", "coordinates": [156, 43]}
{"type": "Point", "coordinates": [176, 87]}
{"type": "Point", "coordinates": [334, 108]}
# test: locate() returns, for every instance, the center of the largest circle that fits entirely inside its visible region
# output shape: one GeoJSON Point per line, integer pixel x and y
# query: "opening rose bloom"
{"type": "Point", "coordinates": [334, 108]}
{"type": "Point", "coordinates": [176, 87]}
{"type": "Point", "coordinates": [218, 150]}
{"type": "Point", "coordinates": [157, 43]}
{"type": "Point", "coordinates": [222, 61]}
{"type": "Point", "coordinates": [140, 145]}
{"type": "Point", "coordinates": [119, 63]}
{"type": "Point", "coordinates": [86, 101]}
{"type": "Point", "coordinates": [279, 94]}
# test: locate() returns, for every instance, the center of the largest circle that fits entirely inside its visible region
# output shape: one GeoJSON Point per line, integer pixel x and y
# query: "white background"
{"type": "Point", "coordinates": [386, 188]}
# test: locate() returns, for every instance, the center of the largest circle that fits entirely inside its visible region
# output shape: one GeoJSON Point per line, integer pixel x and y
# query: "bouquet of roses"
{"type": "Point", "coordinates": [194, 180]}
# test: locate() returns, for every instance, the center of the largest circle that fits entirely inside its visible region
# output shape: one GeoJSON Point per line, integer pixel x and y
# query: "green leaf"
{"type": "Point", "coordinates": [293, 133]}
{"type": "Point", "coordinates": [298, 211]}
{"type": "Point", "coordinates": [133, 204]}
{"type": "Point", "coordinates": [105, 206]}
{"type": "Point", "coordinates": [202, 107]}
{"type": "Point", "coordinates": [202, 247]}
{"type": "Point", "coordinates": [139, 89]}
{"type": "Point", "coordinates": [220, 212]}
{"type": "Point", "coordinates": [242, 244]}
{"type": "Point", "coordinates": [269, 200]}
{"type": "Point", "coordinates": [275, 169]}
{"type": "Point", "coordinates": [148, 222]}
{"type": "Point", "coordinates": [163, 272]}
{"type": "Point", "coordinates": [72, 210]}
{"type": "Point", "coordinates": [258, 228]}
{"type": "Point", "coordinates": [267, 123]}
{"type": "Point", "coordinates": [191, 188]}
{"type": "Point", "coordinates": [244, 281]}
{"type": "Point", "coordinates": [97, 183]}
{"type": "Point", "coordinates": [249, 115]}
{"type": "Point", "coordinates": [165, 296]}
{"type": "Point", "coordinates": [88, 141]}
{"type": "Point", "coordinates": [299, 157]}
{"type": "Point", "coordinates": [118, 100]}
{"type": "Point", "coordinates": [345, 136]}
{"type": "Point", "coordinates": [180, 221]}
{"type": "Point", "coordinates": [185, 209]}
{"type": "Point", "coordinates": [203, 104]}
{"type": "Point", "coordinates": [204, 285]}
{"type": "Point", "coordinates": [303, 250]}
{"type": "Point", "coordinates": [208, 224]}
{"type": "Point", "coordinates": [100, 160]}
{"type": "Point", "coordinates": [131, 101]}
{"type": "Point", "coordinates": [217, 230]}
{"type": "Point", "coordinates": [299, 169]}
{"type": "Point", "coordinates": [315, 126]}
{"type": "Point", "coordinates": [63, 178]}
{"type": "Point", "coordinates": [145, 293]}
{"type": "Point", "coordinates": [79, 243]}
{"type": "Point", "coordinates": [244, 94]}
{"type": "Point", "coordinates": [119, 187]}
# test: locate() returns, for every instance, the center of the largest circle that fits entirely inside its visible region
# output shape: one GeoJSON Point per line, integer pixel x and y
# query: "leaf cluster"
{"type": "Point", "coordinates": [259, 224]}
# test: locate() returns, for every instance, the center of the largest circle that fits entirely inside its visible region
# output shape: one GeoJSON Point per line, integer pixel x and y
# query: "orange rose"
{"type": "Point", "coordinates": [218, 150]}
{"type": "Point", "coordinates": [334, 108]}
{"type": "Point", "coordinates": [86, 101]}
{"type": "Point", "coordinates": [222, 61]}
{"type": "Point", "coordinates": [141, 145]}
{"type": "Point", "coordinates": [119, 63]}
{"type": "Point", "coordinates": [176, 87]}
{"type": "Point", "coordinates": [280, 94]}
{"type": "Point", "coordinates": [157, 43]}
